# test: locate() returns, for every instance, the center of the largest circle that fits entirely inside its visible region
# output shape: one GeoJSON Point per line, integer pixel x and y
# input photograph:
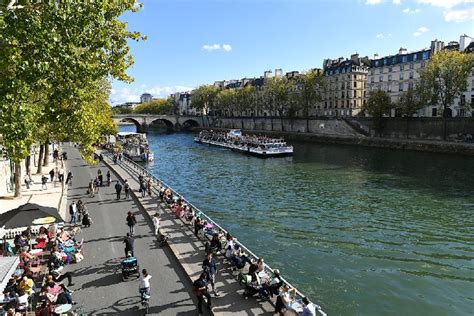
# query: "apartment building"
{"type": "Point", "coordinates": [396, 74]}
{"type": "Point", "coordinates": [345, 86]}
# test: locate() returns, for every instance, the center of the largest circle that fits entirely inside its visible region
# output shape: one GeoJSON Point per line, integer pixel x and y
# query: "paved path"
{"type": "Point", "coordinates": [99, 288]}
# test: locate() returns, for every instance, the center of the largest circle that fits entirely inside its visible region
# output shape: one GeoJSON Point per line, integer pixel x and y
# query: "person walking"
{"type": "Point", "coordinates": [148, 186]}
{"type": "Point", "coordinates": [128, 241]}
{"type": "Point", "coordinates": [69, 178]}
{"type": "Point", "coordinates": [61, 175]}
{"type": "Point", "coordinates": [73, 213]}
{"type": "Point", "coordinates": [44, 179]}
{"type": "Point", "coordinates": [143, 188]}
{"type": "Point", "coordinates": [200, 290]}
{"type": "Point", "coordinates": [108, 178]}
{"type": "Point", "coordinates": [156, 223]}
{"type": "Point", "coordinates": [91, 188]}
{"type": "Point", "coordinates": [118, 189]}
{"type": "Point", "coordinates": [131, 221]}
{"type": "Point", "coordinates": [144, 283]}
{"type": "Point", "coordinates": [51, 175]}
{"type": "Point", "coordinates": [210, 268]}
{"type": "Point", "coordinates": [27, 180]}
{"type": "Point", "coordinates": [99, 176]}
{"type": "Point", "coordinates": [127, 189]}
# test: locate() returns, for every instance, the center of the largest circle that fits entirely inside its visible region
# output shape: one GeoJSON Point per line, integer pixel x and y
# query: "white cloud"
{"type": "Point", "coordinates": [459, 15]}
{"type": "Point", "coordinates": [397, 2]}
{"type": "Point", "coordinates": [381, 35]}
{"type": "Point", "coordinates": [410, 11]}
{"type": "Point", "coordinates": [119, 96]}
{"type": "Point", "coordinates": [420, 31]}
{"type": "Point", "coordinates": [211, 47]}
{"type": "Point", "coordinates": [372, 2]}
{"type": "Point", "coordinates": [224, 47]}
{"type": "Point", "coordinates": [445, 3]}
{"type": "Point", "coordinates": [453, 10]}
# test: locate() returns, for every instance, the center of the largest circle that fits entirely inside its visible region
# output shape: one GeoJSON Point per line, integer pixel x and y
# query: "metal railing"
{"type": "Point", "coordinates": [132, 165]}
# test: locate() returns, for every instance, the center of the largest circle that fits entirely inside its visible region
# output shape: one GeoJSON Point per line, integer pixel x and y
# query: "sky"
{"type": "Point", "coordinates": [195, 42]}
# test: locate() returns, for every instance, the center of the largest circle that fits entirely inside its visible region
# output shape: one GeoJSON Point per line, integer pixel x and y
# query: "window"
{"type": "Point", "coordinates": [472, 85]}
{"type": "Point", "coordinates": [414, 57]}
{"type": "Point", "coordinates": [422, 65]}
{"type": "Point", "coordinates": [410, 85]}
{"type": "Point", "coordinates": [394, 59]}
{"type": "Point", "coordinates": [372, 81]}
{"type": "Point", "coordinates": [426, 55]}
{"type": "Point", "coordinates": [389, 88]}
{"type": "Point", "coordinates": [463, 100]}
{"type": "Point", "coordinates": [389, 69]}
{"type": "Point", "coordinates": [434, 112]}
{"type": "Point", "coordinates": [411, 74]}
{"type": "Point", "coordinates": [380, 78]}
{"type": "Point", "coordinates": [401, 67]}
{"type": "Point", "coordinates": [400, 86]}
{"type": "Point", "coordinates": [347, 103]}
{"type": "Point", "coordinates": [404, 59]}
{"type": "Point", "coordinates": [389, 77]}
{"type": "Point", "coordinates": [412, 66]}
{"type": "Point", "coordinates": [401, 76]}
{"type": "Point", "coordinates": [355, 94]}
{"type": "Point", "coordinates": [355, 84]}
{"type": "Point", "coordinates": [372, 72]}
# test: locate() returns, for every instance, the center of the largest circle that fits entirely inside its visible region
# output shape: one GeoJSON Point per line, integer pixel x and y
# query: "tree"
{"type": "Point", "coordinates": [59, 50]}
{"type": "Point", "coordinates": [203, 99]}
{"type": "Point", "coordinates": [409, 102]}
{"type": "Point", "coordinates": [278, 90]}
{"type": "Point", "coordinates": [377, 106]}
{"type": "Point", "coordinates": [244, 99]}
{"type": "Point", "coordinates": [311, 86]}
{"type": "Point", "coordinates": [445, 78]}
{"type": "Point", "coordinates": [156, 106]}
{"type": "Point", "coordinates": [225, 102]}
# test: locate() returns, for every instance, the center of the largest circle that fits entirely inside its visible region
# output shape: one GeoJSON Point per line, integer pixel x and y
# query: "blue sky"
{"type": "Point", "coordinates": [194, 42]}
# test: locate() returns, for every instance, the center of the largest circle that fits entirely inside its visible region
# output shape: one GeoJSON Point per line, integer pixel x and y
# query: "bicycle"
{"type": "Point", "coordinates": [145, 298]}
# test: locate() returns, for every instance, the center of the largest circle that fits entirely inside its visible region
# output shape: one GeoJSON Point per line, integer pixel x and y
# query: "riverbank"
{"type": "Point", "coordinates": [377, 142]}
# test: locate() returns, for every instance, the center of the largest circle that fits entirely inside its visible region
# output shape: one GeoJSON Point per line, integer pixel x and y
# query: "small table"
{"type": "Point", "coordinates": [64, 308]}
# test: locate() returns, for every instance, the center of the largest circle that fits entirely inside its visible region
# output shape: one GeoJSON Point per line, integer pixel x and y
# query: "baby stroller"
{"type": "Point", "coordinates": [129, 267]}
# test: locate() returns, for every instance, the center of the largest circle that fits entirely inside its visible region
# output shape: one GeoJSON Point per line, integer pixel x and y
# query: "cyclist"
{"type": "Point", "coordinates": [144, 284]}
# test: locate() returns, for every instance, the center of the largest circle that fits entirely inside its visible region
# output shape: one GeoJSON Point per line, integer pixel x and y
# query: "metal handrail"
{"type": "Point", "coordinates": [208, 219]}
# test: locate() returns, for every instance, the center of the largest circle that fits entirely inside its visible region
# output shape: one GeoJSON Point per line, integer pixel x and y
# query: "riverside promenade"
{"type": "Point", "coordinates": [99, 289]}
{"type": "Point", "coordinates": [189, 250]}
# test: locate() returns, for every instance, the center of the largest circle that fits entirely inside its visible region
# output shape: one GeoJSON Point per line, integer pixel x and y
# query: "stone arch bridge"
{"type": "Point", "coordinates": [172, 122]}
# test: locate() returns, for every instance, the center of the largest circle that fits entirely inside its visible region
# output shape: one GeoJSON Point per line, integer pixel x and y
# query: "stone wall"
{"type": "Point", "coordinates": [420, 127]}
{"type": "Point", "coordinates": [325, 126]}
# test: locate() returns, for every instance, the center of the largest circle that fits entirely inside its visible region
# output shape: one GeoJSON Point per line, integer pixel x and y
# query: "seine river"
{"type": "Point", "coordinates": [361, 231]}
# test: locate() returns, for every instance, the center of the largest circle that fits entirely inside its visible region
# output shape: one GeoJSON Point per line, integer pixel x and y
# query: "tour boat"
{"type": "Point", "coordinates": [135, 146]}
{"type": "Point", "coordinates": [259, 146]}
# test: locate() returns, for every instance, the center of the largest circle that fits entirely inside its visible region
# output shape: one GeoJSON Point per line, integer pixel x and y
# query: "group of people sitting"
{"type": "Point", "coordinates": [53, 248]}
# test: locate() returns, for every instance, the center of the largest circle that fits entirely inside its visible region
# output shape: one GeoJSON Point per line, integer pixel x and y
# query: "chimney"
{"type": "Point", "coordinates": [376, 56]}
{"type": "Point", "coordinates": [402, 51]}
{"type": "Point", "coordinates": [355, 57]}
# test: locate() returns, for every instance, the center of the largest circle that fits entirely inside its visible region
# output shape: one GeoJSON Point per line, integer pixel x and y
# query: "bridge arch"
{"type": "Point", "coordinates": [132, 120]}
{"type": "Point", "coordinates": [168, 123]}
{"type": "Point", "coordinates": [189, 124]}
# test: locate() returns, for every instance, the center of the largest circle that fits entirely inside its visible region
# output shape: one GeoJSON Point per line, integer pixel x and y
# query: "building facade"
{"type": "Point", "coordinates": [146, 97]}
{"type": "Point", "coordinates": [345, 86]}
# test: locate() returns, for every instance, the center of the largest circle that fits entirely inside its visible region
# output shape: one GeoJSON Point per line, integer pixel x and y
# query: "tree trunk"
{"type": "Point", "coordinates": [241, 121]}
{"type": "Point", "coordinates": [17, 179]}
{"type": "Point", "coordinates": [445, 128]}
{"type": "Point", "coordinates": [28, 163]}
{"type": "Point", "coordinates": [40, 159]}
{"type": "Point", "coordinates": [46, 153]}
{"type": "Point", "coordinates": [271, 121]}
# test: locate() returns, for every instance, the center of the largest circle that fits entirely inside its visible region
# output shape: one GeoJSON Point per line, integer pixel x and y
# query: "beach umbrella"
{"type": "Point", "coordinates": [44, 220]}
{"type": "Point", "coordinates": [25, 214]}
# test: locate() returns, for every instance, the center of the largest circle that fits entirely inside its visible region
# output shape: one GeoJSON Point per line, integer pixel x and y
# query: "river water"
{"type": "Point", "coordinates": [361, 231]}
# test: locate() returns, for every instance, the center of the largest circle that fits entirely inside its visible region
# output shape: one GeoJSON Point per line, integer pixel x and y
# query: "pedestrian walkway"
{"type": "Point", "coordinates": [51, 196]}
{"type": "Point", "coordinates": [99, 289]}
{"type": "Point", "coordinates": [189, 250]}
